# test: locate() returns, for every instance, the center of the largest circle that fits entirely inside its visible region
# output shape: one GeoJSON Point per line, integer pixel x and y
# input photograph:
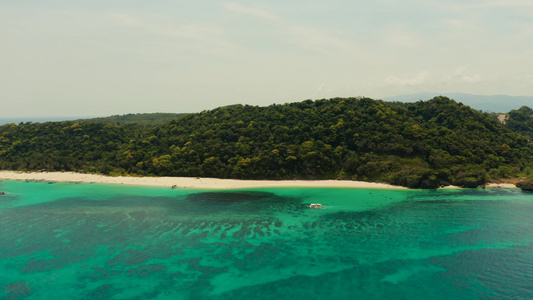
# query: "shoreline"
{"type": "Point", "coordinates": [202, 183]}
{"type": "Point", "coordinates": [188, 182]}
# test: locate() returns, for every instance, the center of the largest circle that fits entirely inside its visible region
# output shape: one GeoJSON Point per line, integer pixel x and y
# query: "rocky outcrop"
{"type": "Point", "coordinates": [525, 185]}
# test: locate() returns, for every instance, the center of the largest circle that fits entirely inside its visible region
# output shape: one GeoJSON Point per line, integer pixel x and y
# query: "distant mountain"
{"type": "Point", "coordinates": [34, 120]}
{"type": "Point", "coordinates": [147, 118]}
{"type": "Point", "coordinates": [493, 103]}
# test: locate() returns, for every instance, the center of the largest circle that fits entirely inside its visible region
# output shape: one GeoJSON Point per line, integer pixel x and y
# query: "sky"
{"type": "Point", "coordinates": [100, 58]}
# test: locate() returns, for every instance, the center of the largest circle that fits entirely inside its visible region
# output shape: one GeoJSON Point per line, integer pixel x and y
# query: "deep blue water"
{"type": "Point", "coordinates": [89, 241]}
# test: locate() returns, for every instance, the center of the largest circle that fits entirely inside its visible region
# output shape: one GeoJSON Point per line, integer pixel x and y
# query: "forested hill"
{"type": "Point", "coordinates": [148, 119]}
{"type": "Point", "coordinates": [421, 144]}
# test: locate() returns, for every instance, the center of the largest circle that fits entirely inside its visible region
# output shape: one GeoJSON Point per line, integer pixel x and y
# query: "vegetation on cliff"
{"type": "Point", "coordinates": [521, 121]}
{"type": "Point", "coordinates": [423, 144]}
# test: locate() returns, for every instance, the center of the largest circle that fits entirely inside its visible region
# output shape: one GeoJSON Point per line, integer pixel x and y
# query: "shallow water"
{"type": "Point", "coordinates": [93, 241]}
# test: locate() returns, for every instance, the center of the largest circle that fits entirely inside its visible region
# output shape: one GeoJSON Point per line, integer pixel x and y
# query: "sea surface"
{"type": "Point", "coordinates": [94, 241]}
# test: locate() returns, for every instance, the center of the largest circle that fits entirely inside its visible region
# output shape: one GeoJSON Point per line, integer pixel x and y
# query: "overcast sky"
{"type": "Point", "coordinates": [98, 58]}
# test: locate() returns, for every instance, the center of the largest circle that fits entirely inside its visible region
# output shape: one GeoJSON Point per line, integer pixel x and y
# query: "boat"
{"type": "Point", "coordinates": [2, 193]}
{"type": "Point", "coordinates": [315, 205]}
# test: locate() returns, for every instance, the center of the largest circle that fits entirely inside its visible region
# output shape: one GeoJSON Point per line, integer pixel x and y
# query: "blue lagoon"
{"type": "Point", "coordinates": [96, 241]}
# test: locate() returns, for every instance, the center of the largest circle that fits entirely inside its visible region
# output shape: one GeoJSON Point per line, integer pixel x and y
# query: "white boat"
{"type": "Point", "coordinates": [315, 205]}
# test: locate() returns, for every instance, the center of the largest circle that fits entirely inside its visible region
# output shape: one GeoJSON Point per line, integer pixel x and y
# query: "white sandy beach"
{"type": "Point", "coordinates": [187, 182]}
{"type": "Point", "coordinates": [200, 183]}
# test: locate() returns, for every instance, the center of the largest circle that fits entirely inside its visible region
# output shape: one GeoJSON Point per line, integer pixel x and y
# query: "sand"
{"type": "Point", "coordinates": [501, 185]}
{"type": "Point", "coordinates": [200, 183]}
{"type": "Point", "coordinates": [187, 182]}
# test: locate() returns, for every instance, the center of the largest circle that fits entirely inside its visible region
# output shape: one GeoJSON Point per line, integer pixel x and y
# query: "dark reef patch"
{"type": "Point", "coordinates": [17, 290]}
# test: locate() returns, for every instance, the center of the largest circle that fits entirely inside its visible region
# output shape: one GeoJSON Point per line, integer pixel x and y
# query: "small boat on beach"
{"type": "Point", "coordinates": [315, 205]}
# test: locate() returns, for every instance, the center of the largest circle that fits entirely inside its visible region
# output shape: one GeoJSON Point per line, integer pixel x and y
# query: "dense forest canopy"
{"type": "Point", "coordinates": [422, 144]}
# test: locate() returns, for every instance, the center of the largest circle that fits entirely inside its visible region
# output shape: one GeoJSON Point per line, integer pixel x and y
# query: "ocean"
{"type": "Point", "coordinates": [96, 241]}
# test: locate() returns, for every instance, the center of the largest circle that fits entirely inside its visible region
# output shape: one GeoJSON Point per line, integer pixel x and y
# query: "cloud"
{"type": "Point", "coordinates": [320, 39]}
{"type": "Point", "coordinates": [323, 89]}
{"type": "Point", "coordinates": [312, 38]}
{"type": "Point", "coordinates": [250, 11]}
{"type": "Point", "coordinates": [419, 79]}
{"type": "Point", "coordinates": [399, 36]}
{"type": "Point", "coordinates": [462, 74]}
{"type": "Point", "coordinates": [461, 6]}
{"type": "Point", "coordinates": [207, 36]}
{"type": "Point", "coordinates": [199, 32]}
{"type": "Point", "coordinates": [506, 3]}
{"type": "Point", "coordinates": [455, 24]}
{"type": "Point", "coordinates": [524, 32]}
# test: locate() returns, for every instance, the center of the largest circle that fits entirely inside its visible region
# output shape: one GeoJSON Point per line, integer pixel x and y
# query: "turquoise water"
{"type": "Point", "coordinates": [92, 241]}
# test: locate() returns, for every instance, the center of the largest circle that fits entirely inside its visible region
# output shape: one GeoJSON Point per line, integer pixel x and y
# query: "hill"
{"type": "Point", "coordinates": [421, 144]}
{"type": "Point", "coordinates": [150, 119]}
{"type": "Point", "coordinates": [491, 103]}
